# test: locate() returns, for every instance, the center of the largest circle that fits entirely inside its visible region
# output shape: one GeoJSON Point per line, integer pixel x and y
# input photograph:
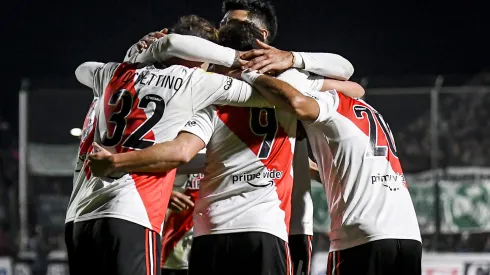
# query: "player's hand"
{"type": "Point", "coordinates": [146, 41]}
{"type": "Point", "coordinates": [268, 59]}
{"type": "Point", "coordinates": [101, 162]}
{"type": "Point", "coordinates": [313, 168]}
{"type": "Point", "coordinates": [237, 74]}
{"type": "Point", "coordinates": [179, 202]}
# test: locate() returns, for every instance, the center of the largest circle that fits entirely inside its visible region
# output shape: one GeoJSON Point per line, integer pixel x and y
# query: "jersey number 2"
{"type": "Point", "coordinates": [135, 139]}
{"type": "Point", "coordinates": [263, 123]}
{"type": "Point", "coordinates": [375, 150]}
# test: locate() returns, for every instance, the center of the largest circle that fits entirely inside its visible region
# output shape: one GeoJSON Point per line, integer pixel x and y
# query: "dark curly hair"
{"type": "Point", "coordinates": [196, 26]}
{"type": "Point", "coordinates": [258, 10]}
{"type": "Point", "coordinates": [240, 35]}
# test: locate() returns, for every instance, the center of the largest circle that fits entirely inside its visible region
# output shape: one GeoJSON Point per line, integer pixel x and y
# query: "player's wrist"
{"type": "Point", "coordinates": [115, 163]}
{"type": "Point", "coordinates": [250, 76]}
{"type": "Point", "coordinates": [297, 60]}
{"type": "Point", "coordinates": [236, 60]}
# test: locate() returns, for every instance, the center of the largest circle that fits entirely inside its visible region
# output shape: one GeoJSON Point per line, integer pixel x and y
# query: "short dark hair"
{"type": "Point", "coordinates": [240, 35]}
{"type": "Point", "coordinates": [261, 10]}
{"type": "Point", "coordinates": [196, 26]}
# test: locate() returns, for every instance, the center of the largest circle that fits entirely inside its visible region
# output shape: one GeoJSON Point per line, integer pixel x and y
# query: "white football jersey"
{"type": "Point", "coordinates": [366, 190]}
{"type": "Point", "coordinates": [248, 176]}
{"type": "Point", "coordinates": [301, 202]}
{"type": "Point", "coordinates": [82, 171]}
{"type": "Point", "coordinates": [141, 106]}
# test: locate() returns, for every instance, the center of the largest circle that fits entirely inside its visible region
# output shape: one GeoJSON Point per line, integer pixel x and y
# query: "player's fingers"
{"type": "Point", "coordinates": [141, 45]}
{"type": "Point", "coordinates": [158, 35]}
{"type": "Point", "coordinates": [173, 207]}
{"type": "Point", "coordinates": [255, 61]}
{"type": "Point", "coordinates": [242, 62]}
{"type": "Point", "coordinates": [97, 147]}
{"type": "Point", "coordinates": [165, 31]}
{"type": "Point", "coordinates": [177, 204]}
{"type": "Point", "coordinates": [269, 69]}
{"type": "Point", "coordinates": [251, 54]}
{"type": "Point", "coordinates": [188, 202]}
{"type": "Point", "coordinates": [263, 45]}
{"type": "Point", "coordinates": [94, 156]}
{"type": "Point", "coordinates": [261, 64]}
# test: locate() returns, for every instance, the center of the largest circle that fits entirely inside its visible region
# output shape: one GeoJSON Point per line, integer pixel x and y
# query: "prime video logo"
{"type": "Point", "coordinates": [260, 179]}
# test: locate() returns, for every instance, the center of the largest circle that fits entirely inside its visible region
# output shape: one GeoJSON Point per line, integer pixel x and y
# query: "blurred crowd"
{"type": "Point", "coordinates": [464, 140]}
{"type": "Point", "coordinates": [464, 133]}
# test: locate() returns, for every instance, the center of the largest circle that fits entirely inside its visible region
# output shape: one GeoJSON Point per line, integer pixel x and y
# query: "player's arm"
{"type": "Point", "coordinates": [305, 107]}
{"type": "Point", "coordinates": [304, 81]}
{"type": "Point", "coordinates": [211, 88]}
{"type": "Point", "coordinates": [325, 64]}
{"type": "Point", "coordinates": [161, 157]}
{"type": "Point", "coordinates": [86, 71]}
{"type": "Point", "coordinates": [348, 88]}
{"type": "Point", "coordinates": [187, 47]}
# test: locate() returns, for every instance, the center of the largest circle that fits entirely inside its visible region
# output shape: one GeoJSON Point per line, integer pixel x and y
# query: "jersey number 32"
{"type": "Point", "coordinates": [130, 124]}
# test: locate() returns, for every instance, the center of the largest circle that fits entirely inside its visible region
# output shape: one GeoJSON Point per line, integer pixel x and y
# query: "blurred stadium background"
{"type": "Point", "coordinates": [440, 120]}
{"type": "Point", "coordinates": [440, 124]}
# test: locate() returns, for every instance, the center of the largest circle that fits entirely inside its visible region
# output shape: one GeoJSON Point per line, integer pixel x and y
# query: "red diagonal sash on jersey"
{"type": "Point", "coordinates": [346, 109]}
{"type": "Point", "coordinates": [154, 189]}
{"type": "Point", "coordinates": [237, 119]}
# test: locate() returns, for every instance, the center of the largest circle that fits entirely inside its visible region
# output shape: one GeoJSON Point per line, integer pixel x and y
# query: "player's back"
{"type": "Point", "coordinates": [140, 106]}
{"type": "Point", "coordinates": [366, 189]}
{"type": "Point", "coordinates": [248, 174]}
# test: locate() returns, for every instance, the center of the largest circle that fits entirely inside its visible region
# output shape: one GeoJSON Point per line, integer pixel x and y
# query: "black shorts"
{"type": "Point", "coordinates": [174, 271]}
{"type": "Point", "coordinates": [70, 248]}
{"type": "Point", "coordinates": [383, 257]}
{"type": "Point", "coordinates": [110, 246]}
{"type": "Point", "coordinates": [246, 253]}
{"type": "Point", "coordinates": [300, 247]}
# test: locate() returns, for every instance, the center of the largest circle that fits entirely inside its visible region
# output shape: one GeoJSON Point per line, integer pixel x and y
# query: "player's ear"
{"type": "Point", "coordinates": [265, 33]}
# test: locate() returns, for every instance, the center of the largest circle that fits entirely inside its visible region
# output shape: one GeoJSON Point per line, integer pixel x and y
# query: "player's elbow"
{"type": "Point", "coordinates": [345, 69]}
{"type": "Point", "coordinates": [358, 90]}
{"type": "Point", "coordinates": [83, 74]}
{"type": "Point", "coordinates": [182, 154]}
{"type": "Point", "coordinates": [170, 43]}
{"type": "Point", "coordinates": [302, 108]}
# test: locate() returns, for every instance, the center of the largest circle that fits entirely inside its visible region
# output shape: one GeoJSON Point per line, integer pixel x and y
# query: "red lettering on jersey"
{"type": "Point", "coordinates": [362, 121]}
{"type": "Point", "coordinates": [280, 157]}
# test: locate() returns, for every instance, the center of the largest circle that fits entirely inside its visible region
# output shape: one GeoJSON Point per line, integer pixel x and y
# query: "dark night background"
{"type": "Point", "coordinates": [48, 39]}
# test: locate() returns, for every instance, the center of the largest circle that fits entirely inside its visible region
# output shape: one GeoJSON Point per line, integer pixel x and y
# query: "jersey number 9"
{"type": "Point", "coordinates": [263, 123]}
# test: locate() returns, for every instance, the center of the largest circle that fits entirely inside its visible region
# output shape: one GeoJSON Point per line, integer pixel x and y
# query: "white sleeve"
{"type": "Point", "coordinates": [302, 80]}
{"type": "Point", "coordinates": [131, 54]}
{"type": "Point", "coordinates": [202, 124]}
{"type": "Point", "coordinates": [86, 71]}
{"type": "Point", "coordinates": [210, 88]}
{"type": "Point", "coordinates": [327, 101]}
{"type": "Point", "coordinates": [324, 64]}
{"type": "Point", "coordinates": [187, 47]}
